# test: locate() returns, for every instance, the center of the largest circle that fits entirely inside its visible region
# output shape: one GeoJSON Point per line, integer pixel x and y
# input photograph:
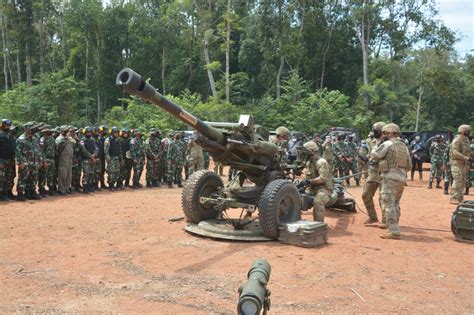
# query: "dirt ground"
{"type": "Point", "coordinates": [117, 252]}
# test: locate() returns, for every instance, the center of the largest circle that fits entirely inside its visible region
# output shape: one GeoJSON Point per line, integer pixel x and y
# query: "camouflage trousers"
{"type": "Point", "coordinates": [153, 170]}
{"type": "Point", "coordinates": [436, 171]}
{"type": "Point", "coordinates": [206, 161]}
{"type": "Point", "coordinates": [448, 177]}
{"type": "Point", "coordinates": [362, 167]}
{"type": "Point", "coordinates": [27, 178]}
{"type": "Point", "coordinates": [126, 170]}
{"type": "Point", "coordinates": [3, 175]}
{"type": "Point", "coordinates": [370, 188]}
{"type": "Point", "coordinates": [46, 175]}
{"type": "Point", "coordinates": [76, 173]}
{"type": "Point", "coordinates": [138, 169]}
{"type": "Point", "coordinates": [196, 164]}
{"type": "Point", "coordinates": [10, 174]}
{"type": "Point", "coordinates": [163, 167]}
{"type": "Point", "coordinates": [340, 168]}
{"type": "Point", "coordinates": [175, 169]}
{"type": "Point", "coordinates": [390, 194]}
{"type": "Point", "coordinates": [88, 172]}
{"type": "Point", "coordinates": [459, 173]}
{"type": "Point", "coordinates": [352, 167]}
{"type": "Point", "coordinates": [321, 198]}
{"type": "Point", "coordinates": [99, 170]}
{"type": "Point", "coordinates": [113, 169]}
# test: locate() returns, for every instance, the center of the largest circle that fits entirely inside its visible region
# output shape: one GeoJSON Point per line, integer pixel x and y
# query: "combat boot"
{"type": "Point", "coordinates": [91, 188]}
{"type": "Point", "coordinates": [180, 185]}
{"type": "Point", "coordinates": [430, 184]}
{"type": "Point", "coordinates": [127, 183]}
{"type": "Point", "coordinates": [157, 183]}
{"type": "Point", "coordinates": [446, 185]}
{"type": "Point", "coordinates": [390, 235]}
{"type": "Point", "coordinates": [119, 185]}
{"type": "Point", "coordinates": [52, 191]}
{"type": "Point", "coordinates": [33, 195]}
{"type": "Point", "coordinates": [149, 184]}
{"type": "Point", "coordinates": [467, 191]}
{"type": "Point", "coordinates": [20, 196]}
{"type": "Point", "coordinates": [170, 184]}
{"type": "Point", "coordinates": [85, 189]}
{"type": "Point", "coordinates": [453, 201]}
{"type": "Point", "coordinates": [3, 196]}
{"type": "Point", "coordinates": [437, 183]}
{"type": "Point", "coordinates": [111, 186]}
{"type": "Point", "coordinates": [370, 221]}
{"type": "Point", "coordinates": [42, 192]}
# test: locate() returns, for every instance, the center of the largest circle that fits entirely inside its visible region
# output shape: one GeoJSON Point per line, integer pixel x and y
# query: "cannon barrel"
{"type": "Point", "coordinates": [133, 83]}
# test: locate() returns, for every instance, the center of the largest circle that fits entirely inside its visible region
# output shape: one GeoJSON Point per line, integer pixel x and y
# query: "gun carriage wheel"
{"type": "Point", "coordinates": [279, 203]}
{"type": "Point", "coordinates": [202, 183]}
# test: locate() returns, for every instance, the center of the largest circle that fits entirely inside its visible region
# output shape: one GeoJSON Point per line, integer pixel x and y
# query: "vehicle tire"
{"type": "Point", "coordinates": [202, 183]}
{"type": "Point", "coordinates": [280, 203]}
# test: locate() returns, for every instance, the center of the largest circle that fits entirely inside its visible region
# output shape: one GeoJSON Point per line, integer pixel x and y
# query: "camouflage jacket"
{"type": "Point", "coordinates": [137, 151]}
{"type": "Point", "coordinates": [339, 149]}
{"type": "Point", "coordinates": [351, 149]}
{"type": "Point", "coordinates": [154, 148]}
{"type": "Point", "coordinates": [194, 150]}
{"type": "Point", "coordinates": [174, 152]}
{"type": "Point", "coordinates": [48, 147]}
{"type": "Point", "coordinates": [460, 152]}
{"type": "Point", "coordinates": [88, 148]}
{"type": "Point", "coordinates": [7, 146]}
{"type": "Point", "coordinates": [319, 168]}
{"type": "Point", "coordinates": [182, 148]}
{"type": "Point", "coordinates": [437, 152]}
{"type": "Point", "coordinates": [28, 150]}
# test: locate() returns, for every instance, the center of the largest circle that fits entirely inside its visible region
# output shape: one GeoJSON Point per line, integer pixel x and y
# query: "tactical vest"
{"type": "Point", "coordinates": [89, 145]}
{"type": "Point", "coordinates": [397, 155]}
{"type": "Point", "coordinates": [114, 148]}
{"type": "Point", "coordinates": [6, 149]}
{"type": "Point", "coordinates": [100, 146]}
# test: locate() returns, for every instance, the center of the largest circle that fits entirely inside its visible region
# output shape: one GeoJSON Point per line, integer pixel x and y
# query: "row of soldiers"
{"type": "Point", "coordinates": [67, 159]}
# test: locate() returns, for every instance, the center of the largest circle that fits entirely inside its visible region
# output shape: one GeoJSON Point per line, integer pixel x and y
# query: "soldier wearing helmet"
{"type": "Point", "coordinates": [281, 138]}
{"type": "Point", "coordinates": [47, 173]}
{"type": "Point", "coordinates": [64, 150]}
{"type": "Point", "coordinates": [100, 136]}
{"type": "Point", "coordinates": [394, 162]}
{"type": "Point", "coordinates": [437, 150]}
{"type": "Point", "coordinates": [340, 151]}
{"type": "Point", "coordinates": [459, 157]}
{"type": "Point", "coordinates": [328, 152]}
{"type": "Point", "coordinates": [154, 154]}
{"type": "Point", "coordinates": [373, 179]}
{"type": "Point", "coordinates": [127, 165]}
{"type": "Point", "coordinates": [318, 180]}
{"type": "Point", "coordinates": [351, 154]}
{"type": "Point", "coordinates": [113, 157]}
{"type": "Point", "coordinates": [137, 152]}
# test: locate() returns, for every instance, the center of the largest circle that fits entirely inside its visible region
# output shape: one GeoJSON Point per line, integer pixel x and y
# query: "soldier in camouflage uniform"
{"type": "Point", "coordinates": [29, 159]}
{"type": "Point", "coordinates": [137, 152]}
{"type": "Point", "coordinates": [459, 156]}
{"type": "Point", "coordinates": [196, 157]}
{"type": "Point", "coordinates": [127, 165]}
{"type": "Point", "coordinates": [153, 158]}
{"type": "Point", "coordinates": [448, 177]}
{"type": "Point", "coordinates": [46, 174]}
{"type": "Point", "coordinates": [77, 160]}
{"type": "Point", "coordinates": [163, 158]}
{"type": "Point", "coordinates": [11, 166]}
{"type": "Point", "coordinates": [328, 153]}
{"type": "Point", "coordinates": [65, 151]}
{"type": "Point", "coordinates": [363, 157]}
{"type": "Point", "coordinates": [470, 174]}
{"type": "Point", "coordinates": [205, 155]}
{"type": "Point", "coordinates": [340, 164]}
{"type": "Point", "coordinates": [113, 157]}
{"type": "Point", "coordinates": [182, 149]}
{"type": "Point", "coordinates": [7, 153]}
{"type": "Point", "coordinates": [394, 163]}
{"type": "Point", "coordinates": [89, 151]}
{"type": "Point", "coordinates": [437, 150]}
{"type": "Point", "coordinates": [318, 180]}
{"type": "Point", "coordinates": [175, 162]}
{"type": "Point", "coordinates": [351, 154]}
{"type": "Point", "coordinates": [100, 161]}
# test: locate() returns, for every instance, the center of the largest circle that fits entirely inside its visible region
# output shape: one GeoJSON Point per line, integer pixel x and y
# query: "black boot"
{"type": "Point", "coordinates": [33, 195]}
{"type": "Point", "coordinates": [180, 185]}
{"type": "Point", "coordinates": [127, 183]}
{"type": "Point", "coordinates": [446, 185]}
{"type": "Point", "coordinates": [111, 186]}
{"type": "Point", "coordinates": [149, 184]}
{"type": "Point", "coordinates": [437, 183]}
{"type": "Point", "coordinates": [91, 188]}
{"type": "Point", "coordinates": [85, 189]}
{"type": "Point", "coordinates": [52, 191]}
{"type": "Point", "coordinates": [3, 196]}
{"type": "Point", "coordinates": [20, 196]}
{"type": "Point", "coordinates": [137, 185]}
{"type": "Point", "coordinates": [170, 184]}
{"type": "Point", "coordinates": [42, 192]}
{"type": "Point", "coordinates": [430, 184]}
{"type": "Point", "coordinates": [467, 191]}
{"type": "Point", "coordinates": [157, 183]}
{"type": "Point", "coordinates": [412, 175]}
{"type": "Point", "coordinates": [119, 185]}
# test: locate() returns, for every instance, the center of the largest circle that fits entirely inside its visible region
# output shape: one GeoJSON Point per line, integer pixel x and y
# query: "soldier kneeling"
{"type": "Point", "coordinates": [318, 181]}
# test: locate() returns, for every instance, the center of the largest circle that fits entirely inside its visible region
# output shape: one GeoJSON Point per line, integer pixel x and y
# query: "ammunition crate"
{"type": "Point", "coordinates": [304, 233]}
{"type": "Point", "coordinates": [462, 222]}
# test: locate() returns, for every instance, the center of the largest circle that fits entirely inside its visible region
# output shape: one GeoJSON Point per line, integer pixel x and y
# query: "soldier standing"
{"type": "Point", "coordinates": [153, 158]}
{"type": "Point", "coordinates": [328, 153]}
{"type": "Point", "coordinates": [89, 152]}
{"type": "Point", "coordinates": [47, 173]}
{"type": "Point", "coordinates": [416, 149]}
{"type": "Point", "coordinates": [127, 165]}
{"type": "Point", "coordinates": [65, 150]}
{"type": "Point", "coordinates": [29, 159]}
{"type": "Point", "coordinates": [100, 161]}
{"type": "Point", "coordinates": [351, 154]}
{"type": "Point", "coordinates": [340, 164]}
{"type": "Point", "coordinates": [394, 162]}
{"type": "Point", "coordinates": [363, 157]}
{"type": "Point", "coordinates": [318, 181]}
{"type": "Point", "coordinates": [182, 149]}
{"type": "Point", "coordinates": [460, 154]}
{"type": "Point", "coordinates": [448, 177]}
{"type": "Point", "coordinates": [436, 153]}
{"type": "Point", "coordinates": [373, 180]}
{"type": "Point", "coordinates": [7, 153]}
{"type": "Point", "coordinates": [175, 162]}
{"type": "Point", "coordinates": [196, 157]}
{"type": "Point", "coordinates": [137, 153]}
{"type": "Point", "coordinates": [11, 166]}
{"type": "Point", "coordinates": [113, 157]}
{"type": "Point", "coordinates": [76, 160]}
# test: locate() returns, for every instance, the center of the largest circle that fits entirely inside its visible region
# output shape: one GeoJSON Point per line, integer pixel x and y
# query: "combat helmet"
{"type": "Point", "coordinates": [464, 128]}
{"type": "Point", "coordinates": [311, 146]}
{"type": "Point", "coordinates": [282, 131]}
{"type": "Point", "coordinates": [378, 125]}
{"type": "Point", "coordinates": [391, 128]}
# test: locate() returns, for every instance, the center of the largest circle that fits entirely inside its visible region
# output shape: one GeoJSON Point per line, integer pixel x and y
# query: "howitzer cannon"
{"type": "Point", "coordinates": [242, 146]}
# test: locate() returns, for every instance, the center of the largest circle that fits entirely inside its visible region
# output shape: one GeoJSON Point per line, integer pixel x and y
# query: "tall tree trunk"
{"type": "Point", "coordinates": [191, 46]}
{"type": "Point", "coordinates": [99, 100]}
{"type": "Point", "coordinates": [41, 38]}
{"type": "Point", "coordinates": [28, 62]}
{"type": "Point", "coordinates": [163, 65]}
{"type": "Point", "coordinates": [18, 64]}
{"type": "Point", "coordinates": [227, 52]}
{"type": "Point", "coordinates": [208, 61]}
{"type": "Point", "coordinates": [278, 77]}
{"type": "Point", "coordinates": [86, 77]}
{"type": "Point", "coordinates": [325, 53]}
{"type": "Point", "coordinates": [5, 52]}
{"type": "Point", "coordinates": [418, 106]}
